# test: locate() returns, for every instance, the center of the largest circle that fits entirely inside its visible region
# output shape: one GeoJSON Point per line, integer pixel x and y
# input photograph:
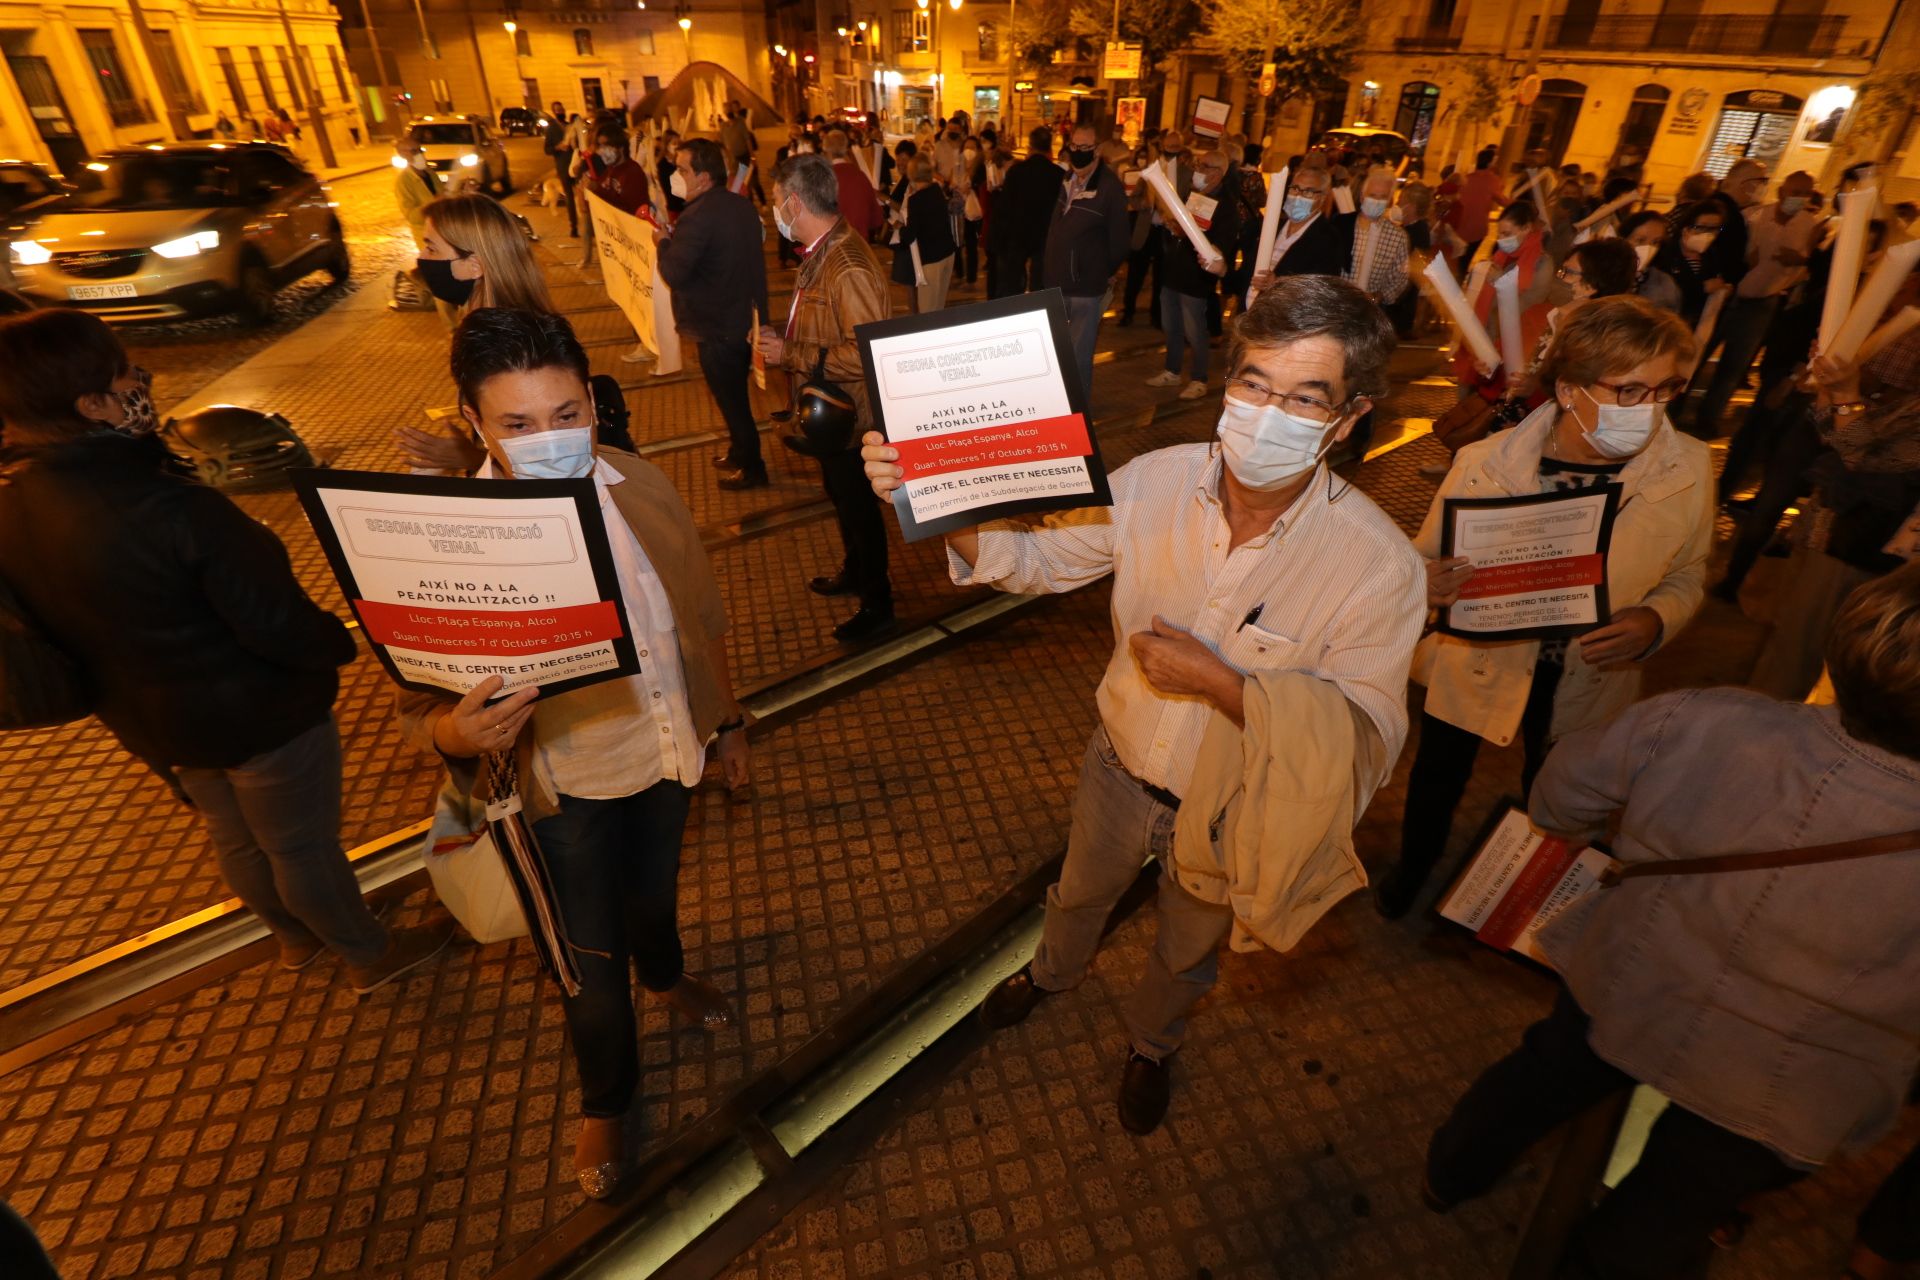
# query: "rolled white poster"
{"type": "Point", "coordinates": [1608, 209]}
{"type": "Point", "coordinates": [1874, 297]}
{"type": "Point", "coordinates": [1447, 293]}
{"type": "Point", "coordinates": [1343, 199]}
{"type": "Point", "coordinates": [1536, 186]}
{"type": "Point", "coordinates": [879, 162]}
{"type": "Point", "coordinates": [872, 170]}
{"type": "Point", "coordinates": [1477, 280]}
{"type": "Point", "coordinates": [1703, 332]}
{"type": "Point", "coordinates": [1270, 224]}
{"type": "Point", "coordinates": [1177, 211]}
{"type": "Point", "coordinates": [1896, 327]}
{"type": "Point", "coordinates": [919, 270]}
{"type": "Point", "coordinates": [1849, 251]}
{"type": "Point", "coordinates": [1513, 351]}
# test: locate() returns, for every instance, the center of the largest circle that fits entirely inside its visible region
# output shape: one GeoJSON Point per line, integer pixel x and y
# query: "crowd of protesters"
{"type": "Point", "coordinates": [1268, 617]}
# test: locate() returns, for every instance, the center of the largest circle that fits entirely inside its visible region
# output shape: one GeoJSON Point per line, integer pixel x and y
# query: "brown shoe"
{"type": "Point", "coordinates": [700, 1002]}
{"type": "Point", "coordinates": [596, 1156]}
{"type": "Point", "coordinates": [406, 949]}
{"type": "Point", "coordinates": [295, 956]}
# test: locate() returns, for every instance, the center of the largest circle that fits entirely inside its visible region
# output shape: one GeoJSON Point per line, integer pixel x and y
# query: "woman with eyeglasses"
{"type": "Point", "coordinates": [1612, 369]}
{"type": "Point", "coordinates": [1688, 257]}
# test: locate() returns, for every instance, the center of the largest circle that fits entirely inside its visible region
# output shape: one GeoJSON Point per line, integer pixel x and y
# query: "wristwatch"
{"type": "Point", "coordinates": [734, 725]}
{"type": "Point", "coordinates": [1851, 406]}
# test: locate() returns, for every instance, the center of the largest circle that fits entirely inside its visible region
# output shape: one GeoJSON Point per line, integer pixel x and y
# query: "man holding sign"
{"type": "Point", "coordinates": [1230, 565]}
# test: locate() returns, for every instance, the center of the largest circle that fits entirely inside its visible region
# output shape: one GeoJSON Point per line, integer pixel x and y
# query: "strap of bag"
{"type": "Point", "coordinates": [1844, 851]}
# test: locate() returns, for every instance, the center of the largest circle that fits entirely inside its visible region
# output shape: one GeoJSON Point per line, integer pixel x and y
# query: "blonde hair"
{"type": "Point", "coordinates": [1612, 335]}
{"type": "Point", "coordinates": [478, 226]}
{"type": "Point", "coordinates": [1873, 658]}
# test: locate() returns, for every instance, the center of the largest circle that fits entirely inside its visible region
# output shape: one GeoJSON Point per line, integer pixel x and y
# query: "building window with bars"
{"type": "Point", "coordinates": [339, 73]}
{"type": "Point", "coordinates": [583, 42]}
{"type": "Point", "coordinates": [287, 74]}
{"type": "Point", "coordinates": [173, 78]}
{"type": "Point", "coordinates": [123, 104]}
{"type": "Point", "coordinates": [230, 72]}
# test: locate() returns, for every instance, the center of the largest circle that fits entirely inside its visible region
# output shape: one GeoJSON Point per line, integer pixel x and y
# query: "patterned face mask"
{"type": "Point", "coordinates": [137, 417]}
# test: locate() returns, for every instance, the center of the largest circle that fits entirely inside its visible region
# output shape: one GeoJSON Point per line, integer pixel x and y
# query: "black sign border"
{"type": "Point", "coordinates": [1603, 607]}
{"type": "Point", "coordinates": [308, 481]}
{"type": "Point", "coordinates": [1054, 304]}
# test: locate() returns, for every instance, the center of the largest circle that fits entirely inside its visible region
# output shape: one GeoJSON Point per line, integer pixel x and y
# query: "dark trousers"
{"type": "Point", "coordinates": [1444, 764]}
{"type": "Point", "coordinates": [1142, 263]}
{"type": "Point", "coordinates": [862, 531]}
{"type": "Point", "coordinates": [1890, 1224]}
{"type": "Point", "coordinates": [1798, 444]}
{"type": "Point", "coordinates": [726, 364]}
{"type": "Point", "coordinates": [1758, 438]}
{"type": "Point", "coordinates": [1656, 1224]}
{"type": "Point", "coordinates": [1740, 333]}
{"type": "Point", "coordinates": [615, 865]}
{"type": "Point", "coordinates": [1020, 267]}
{"type": "Point", "coordinates": [561, 164]}
{"type": "Point", "coordinates": [969, 263]}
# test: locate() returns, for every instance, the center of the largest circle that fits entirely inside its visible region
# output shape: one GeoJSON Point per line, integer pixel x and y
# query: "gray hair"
{"type": "Point", "coordinates": [811, 178]}
{"type": "Point", "coordinates": [1298, 307]}
{"type": "Point", "coordinates": [920, 169]}
{"type": "Point", "coordinates": [835, 143]}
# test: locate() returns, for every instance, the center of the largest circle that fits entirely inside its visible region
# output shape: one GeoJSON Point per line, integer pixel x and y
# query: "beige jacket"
{"type": "Point", "coordinates": [664, 527]}
{"type": "Point", "coordinates": [1267, 823]}
{"type": "Point", "coordinates": [1658, 558]}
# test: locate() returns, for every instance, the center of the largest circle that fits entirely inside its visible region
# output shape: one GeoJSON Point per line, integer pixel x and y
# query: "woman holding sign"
{"type": "Point", "coordinates": [604, 773]}
{"type": "Point", "coordinates": [1612, 369]}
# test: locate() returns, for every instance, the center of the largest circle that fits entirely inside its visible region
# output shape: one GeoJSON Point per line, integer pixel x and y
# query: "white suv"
{"type": "Point", "coordinates": [463, 147]}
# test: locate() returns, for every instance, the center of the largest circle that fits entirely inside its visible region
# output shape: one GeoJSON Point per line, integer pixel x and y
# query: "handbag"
{"type": "Point", "coordinates": [1842, 851]}
{"type": "Point", "coordinates": [40, 684]}
{"type": "Point", "coordinates": [468, 874]}
{"type": "Point", "coordinates": [1466, 422]}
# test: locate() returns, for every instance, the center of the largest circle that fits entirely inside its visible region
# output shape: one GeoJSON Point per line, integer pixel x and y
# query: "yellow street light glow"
{"type": "Point", "coordinates": [862, 24]}
{"type": "Point", "coordinates": [686, 24]}
{"type": "Point", "coordinates": [781, 50]}
{"type": "Point", "coordinates": [511, 26]}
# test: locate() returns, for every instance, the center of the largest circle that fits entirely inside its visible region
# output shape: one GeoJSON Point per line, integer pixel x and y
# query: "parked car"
{"type": "Point", "coordinates": [1343, 145]}
{"type": "Point", "coordinates": [521, 122]}
{"type": "Point", "coordinates": [183, 229]}
{"type": "Point", "coordinates": [463, 146]}
{"type": "Point", "coordinates": [28, 192]}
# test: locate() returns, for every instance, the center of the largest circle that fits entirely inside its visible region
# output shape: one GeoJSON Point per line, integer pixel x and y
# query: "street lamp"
{"type": "Point", "coordinates": [510, 26]}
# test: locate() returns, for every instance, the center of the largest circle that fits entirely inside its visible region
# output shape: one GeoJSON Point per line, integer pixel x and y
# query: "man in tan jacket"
{"type": "Point", "coordinates": [839, 285]}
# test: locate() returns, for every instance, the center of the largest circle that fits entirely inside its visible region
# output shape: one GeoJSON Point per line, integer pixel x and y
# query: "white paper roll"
{"type": "Point", "coordinates": [1506, 296]}
{"type": "Point", "coordinates": [1611, 207]}
{"type": "Point", "coordinates": [1270, 224]}
{"type": "Point", "coordinates": [1447, 292]}
{"type": "Point", "coordinates": [1157, 179]}
{"type": "Point", "coordinates": [1343, 199]}
{"type": "Point", "coordinates": [1849, 251]}
{"type": "Point", "coordinates": [1539, 198]}
{"type": "Point", "coordinates": [1896, 327]}
{"type": "Point", "coordinates": [1895, 265]}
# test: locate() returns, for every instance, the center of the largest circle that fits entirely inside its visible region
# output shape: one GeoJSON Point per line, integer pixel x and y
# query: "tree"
{"type": "Point", "coordinates": [1046, 29]}
{"type": "Point", "coordinates": [1311, 43]}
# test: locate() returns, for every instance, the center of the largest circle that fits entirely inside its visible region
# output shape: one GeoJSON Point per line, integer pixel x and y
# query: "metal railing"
{"type": "Point", "coordinates": [1422, 34]}
{"type": "Point", "coordinates": [1725, 35]}
{"type": "Point", "coordinates": [126, 111]}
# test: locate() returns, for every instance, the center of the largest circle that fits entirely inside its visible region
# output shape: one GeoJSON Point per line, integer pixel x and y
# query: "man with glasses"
{"type": "Point", "coordinates": [1309, 243]}
{"type": "Point", "coordinates": [714, 265]}
{"type": "Point", "coordinates": [1228, 562]}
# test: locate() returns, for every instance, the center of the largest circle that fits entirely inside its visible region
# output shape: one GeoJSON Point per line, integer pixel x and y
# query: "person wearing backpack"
{"type": "Point", "coordinates": [189, 635]}
{"type": "Point", "coordinates": [1753, 959]}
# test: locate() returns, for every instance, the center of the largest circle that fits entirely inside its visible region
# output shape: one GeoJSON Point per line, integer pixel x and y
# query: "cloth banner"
{"type": "Point", "coordinates": [629, 249]}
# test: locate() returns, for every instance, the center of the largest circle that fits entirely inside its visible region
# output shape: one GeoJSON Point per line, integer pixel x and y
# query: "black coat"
{"type": "Point", "coordinates": [1024, 205]}
{"type": "Point", "coordinates": [1180, 268]}
{"type": "Point", "coordinates": [201, 646]}
{"type": "Point", "coordinates": [714, 264]}
{"type": "Point", "coordinates": [929, 225]}
{"type": "Point", "coordinates": [1325, 248]}
{"type": "Point", "coordinates": [1087, 241]}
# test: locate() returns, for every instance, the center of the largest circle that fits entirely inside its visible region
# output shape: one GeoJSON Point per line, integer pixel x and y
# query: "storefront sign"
{"type": "Point", "coordinates": [1539, 563]}
{"type": "Point", "coordinates": [1123, 61]}
{"type": "Point", "coordinates": [985, 405]}
{"type": "Point", "coordinates": [455, 580]}
{"type": "Point", "coordinates": [629, 249]}
{"type": "Point", "coordinates": [1689, 113]}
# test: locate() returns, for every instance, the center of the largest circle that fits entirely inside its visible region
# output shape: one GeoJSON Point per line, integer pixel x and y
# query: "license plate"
{"type": "Point", "coordinates": [90, 292]}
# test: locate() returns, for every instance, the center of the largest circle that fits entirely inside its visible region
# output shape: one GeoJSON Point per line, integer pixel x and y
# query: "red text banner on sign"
{"type": "Point", "coordinates": [1534, 575]}
{"type": "Point", "coordinates": [1040, 439]}
{"type": "Point", "coordinates": [465, 631]}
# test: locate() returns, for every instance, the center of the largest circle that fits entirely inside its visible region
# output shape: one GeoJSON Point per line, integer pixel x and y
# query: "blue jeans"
{"type": "Point", "coordinates": [1117, 827]}
{"type": "Point", "coordinates": [1184, 320]}
{"type": "Point", "coordinates": [615, 866]}
{"type": "Point", "coordinates": [275, 825]}
{"type": "Point", "coordinates": [1083, 324]}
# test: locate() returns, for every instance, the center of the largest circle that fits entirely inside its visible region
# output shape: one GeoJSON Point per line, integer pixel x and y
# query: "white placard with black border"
{"type": "Point", "coordinates": [1539, 563]}
{"type": "Point", "coordinates": [454, 580]}
{"type": "Point", "coordinates": [985, 405]}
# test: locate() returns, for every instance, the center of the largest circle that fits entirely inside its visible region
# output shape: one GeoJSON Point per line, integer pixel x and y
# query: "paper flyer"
{"type": "Point", "coordinates": [1539, 563]}
{"type": "Point", "coordinates": [1517, 880]}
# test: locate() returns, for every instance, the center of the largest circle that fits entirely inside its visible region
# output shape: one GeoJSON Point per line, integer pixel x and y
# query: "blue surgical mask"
{"type": "Point", "coordinates": [1299, 208]}
{"type": "Point", "coordinates": [1620, 430]}
{"type": "Point", "coordinates": [1791, 205]}
{"type": "Point", "coordinates": [1373, 207]}
{"type": "Point", "coordinates": [1507, 244]}
{"type": "Point", "coordinates": [566, 454]}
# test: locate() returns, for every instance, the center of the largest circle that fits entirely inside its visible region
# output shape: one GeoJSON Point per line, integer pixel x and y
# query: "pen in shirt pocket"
{"type": "Point", "coordinates": [1253, 616]}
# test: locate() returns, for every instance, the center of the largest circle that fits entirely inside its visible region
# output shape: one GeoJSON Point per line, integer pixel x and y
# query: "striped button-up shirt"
{"type": "Point", "coordinates": [1340, 594]}
{"type": "Point", "coordinates": [1387, 273]}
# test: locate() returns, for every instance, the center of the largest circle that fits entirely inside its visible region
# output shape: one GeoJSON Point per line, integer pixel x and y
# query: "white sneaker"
{"type": "Point", "coordinates": [1164, 379]}
{"type": "Point", "coordinates": [1193, 391]}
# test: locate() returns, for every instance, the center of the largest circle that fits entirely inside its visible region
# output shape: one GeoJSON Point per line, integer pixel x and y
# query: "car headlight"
{"type": "Point", "coordinates": [470, 159]}
{"type": "Point", "coordinates": [544, 122]}
{"type": "Point", "coordinates": [31, 253]}
{"type": "Point", "coordinates": [399, 162]}
{"type": "Point", "coordinates": [188, 246]}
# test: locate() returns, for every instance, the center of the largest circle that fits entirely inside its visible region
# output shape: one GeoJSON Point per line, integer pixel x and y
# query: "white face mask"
{"type": "Point", "coordinates": [1645, 253]}
{"type": "Point", "coordinates": [608, 155]}
{"type": "Point", "coordinates": [1266, 446]}
{"type": "Point", "coordinates": [1507, 244]}
{"type": "Point", "coordinates": [418, 160]}
{"type": "Point", "coordinates": [784, 227]}
{"type": "Point", "coordinates": [1373, 207]}
{"type": "Point", "coordinates": [677, 185]}
{"type": "Point", "coordinates": [1698, 241]}
{"type": "Point", "coordinates": [1620, 431]}
{"type": "Point", "coordinates": [1397, 215]}
{"type": "Point", "coordinates": [566, 454]}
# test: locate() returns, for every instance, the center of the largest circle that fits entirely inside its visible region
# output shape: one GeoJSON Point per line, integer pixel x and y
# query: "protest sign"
{"type": "Point", "coordinates": [985, 405]}
{"type": "Point", "coordinates": [455, 580]}
{"type": "Point", "coordinates": [1517, 880]}
{"type": "Point", "coordinates": [1539, 563]}
{"type": "Point", "coordinates": [629, 249]}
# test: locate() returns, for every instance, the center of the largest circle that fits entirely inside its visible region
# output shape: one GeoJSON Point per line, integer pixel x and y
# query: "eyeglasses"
{"type": "Point", "coordinates": [1310, 407]}
{"type": "Point", "coordinates": [1629, 394]}
{"type": "Point", "coordinates": [1569, 275]}
{"type": "Point", "coordinates": [1305, 191]}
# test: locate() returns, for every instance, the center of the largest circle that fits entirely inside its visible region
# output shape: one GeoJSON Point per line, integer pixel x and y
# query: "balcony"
{"type": "Point", "coordinates": [1721, 35]}
{"type": "Point", "coordinates": [1421, 34]}
{"type": "Point", "coordinates": [129, 111]}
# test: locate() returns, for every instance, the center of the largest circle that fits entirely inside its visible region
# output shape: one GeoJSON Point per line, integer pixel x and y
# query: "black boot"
{"type": "Point", "coordinates": [1146, 1087]}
